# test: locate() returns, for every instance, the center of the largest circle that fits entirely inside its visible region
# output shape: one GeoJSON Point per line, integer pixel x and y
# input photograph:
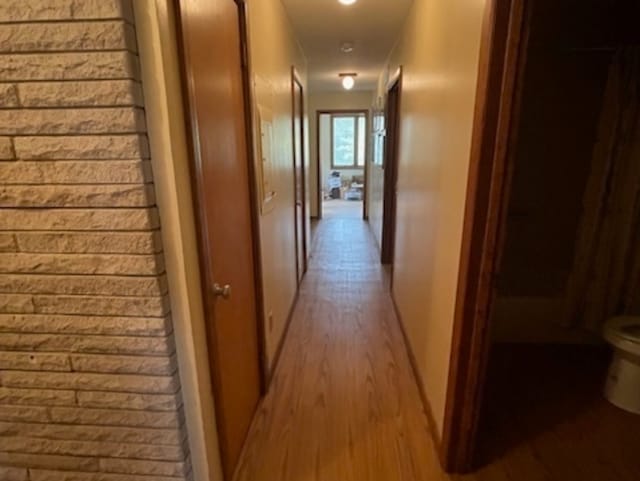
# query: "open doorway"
{"type": "Point", "coordinates": [342, 153]}
{"type": "Point", "coordinates": [299, 174]}
{"type": "Point", "coordinates": [390, 166]}
{"type": "Point", "coordinates": [549, 260]}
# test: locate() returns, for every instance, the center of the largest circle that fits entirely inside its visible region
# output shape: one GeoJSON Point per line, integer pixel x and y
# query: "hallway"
{"type": "Point", "coordinates": [343, 404]}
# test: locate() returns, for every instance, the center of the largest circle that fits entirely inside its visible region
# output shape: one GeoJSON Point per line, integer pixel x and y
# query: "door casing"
{"type": "Point", "coordinates": [502, 57]}
{"type": "Point", "coordinates": [390, 166]}
{"type": "Point", "coordinates": [319, 113]}
{"type": "Point", "coordinates": [299, 169]}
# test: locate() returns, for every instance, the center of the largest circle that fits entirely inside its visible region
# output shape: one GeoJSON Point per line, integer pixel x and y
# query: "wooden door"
{"type": "Point", "coordinates": [212, 44]}
{"type": "Point", "coordinates": [390, 174]}
{"type": "Point", "coordinates": [299, 177]}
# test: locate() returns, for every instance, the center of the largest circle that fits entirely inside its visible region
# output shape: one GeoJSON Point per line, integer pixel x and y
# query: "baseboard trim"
{"type": "Point", "coordinates": [270, 373]}
{"type": "Point", "coordinates": [285, 333]}
{"type": "Point", "coordinates": [433, 430]}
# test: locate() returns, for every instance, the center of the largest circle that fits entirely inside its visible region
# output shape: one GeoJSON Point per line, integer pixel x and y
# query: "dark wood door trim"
{"type": "Point", "coordinates": [365, 112]}
{"type": "Point", "coordinates": [367, 152]}
{"type": "Point", "coordinates": [296, 82]}
{"type": "Point", "coordinates": [318, 167]}
{"type": "Point", "coordinates": [390, 168]}
{"type": "Point", "coordinates": [487, 196]}
{"type": "Point", "coordinates": [249, 96]}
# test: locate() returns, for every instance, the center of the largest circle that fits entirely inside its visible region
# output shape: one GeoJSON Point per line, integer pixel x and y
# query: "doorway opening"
{"type": "Point", "coordinates": [299, 173]}
{"type": "Point", "coordinates": [342, 162]}
{"type": "Point", "coordinates": [390, 168]}
{"type": "Point", "coordinates": [549, 235]}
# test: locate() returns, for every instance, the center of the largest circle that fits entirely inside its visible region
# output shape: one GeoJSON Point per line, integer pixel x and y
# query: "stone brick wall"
{"type": "Point", "coordinates": [89, 388]}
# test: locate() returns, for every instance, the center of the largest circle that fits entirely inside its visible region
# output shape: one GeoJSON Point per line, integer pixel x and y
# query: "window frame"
{"type": "Point", "coordinates": [355, 115]}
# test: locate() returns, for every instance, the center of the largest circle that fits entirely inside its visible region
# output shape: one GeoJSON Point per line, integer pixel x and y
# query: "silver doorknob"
{"type": "Point", "coordinates": [221, 291]}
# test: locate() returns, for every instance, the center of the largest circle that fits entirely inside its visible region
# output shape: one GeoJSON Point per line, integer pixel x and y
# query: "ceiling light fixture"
{"type": "Point", "coordinates": [346, 47]}
{"type": "Point", "coordinates": [348, 80]}
{"type": "Point", "coordinates": [347, 2]}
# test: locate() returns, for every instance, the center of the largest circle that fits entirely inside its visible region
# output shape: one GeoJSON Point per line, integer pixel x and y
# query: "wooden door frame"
{"type": "Point", "coordinates": [201, 234]}
{"type": "Point", "coordinates": [497, 103]}
{"type": "Point", "coordinates": [249, 107]}
{"type": "Point", "coordinates": [387, 244]}
{"type": "Point", "coordinates": [296, 81]}
{"type": "Point", "coordinates": [321, 112]}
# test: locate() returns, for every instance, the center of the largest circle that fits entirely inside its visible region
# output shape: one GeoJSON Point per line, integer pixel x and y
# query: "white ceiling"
{"type": "Point", "coordinates": [322, 26]}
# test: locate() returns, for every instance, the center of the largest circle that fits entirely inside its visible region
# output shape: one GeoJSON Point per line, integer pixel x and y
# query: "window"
{"type": "Point", "coordinates": [348, 140]}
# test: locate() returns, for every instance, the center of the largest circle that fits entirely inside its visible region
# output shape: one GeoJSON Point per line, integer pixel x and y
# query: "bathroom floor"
{"type": "Point", "coordinates": [545, 417]}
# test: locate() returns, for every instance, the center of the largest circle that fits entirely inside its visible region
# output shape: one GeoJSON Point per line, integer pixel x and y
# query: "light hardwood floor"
{"type": "Point", "coordinates": [344, 405]}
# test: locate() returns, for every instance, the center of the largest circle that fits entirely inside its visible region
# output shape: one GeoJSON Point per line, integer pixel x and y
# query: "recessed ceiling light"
{"type": "Point", "coordinates": [347, 2]}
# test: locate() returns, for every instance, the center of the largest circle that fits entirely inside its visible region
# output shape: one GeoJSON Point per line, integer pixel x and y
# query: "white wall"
{"type": "Point", "coordinates": [438, 51]}
{"type": "Point", "coordinates": [274, 50]}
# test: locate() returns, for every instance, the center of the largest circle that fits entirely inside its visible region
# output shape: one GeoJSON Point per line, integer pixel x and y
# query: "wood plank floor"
{"type": "Point", "coordinates": [344, 405]}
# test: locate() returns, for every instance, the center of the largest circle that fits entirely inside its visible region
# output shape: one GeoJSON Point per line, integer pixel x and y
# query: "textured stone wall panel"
{"type": "Point", "coordinates": [98, 434]}
{"type": "Point", "coordinates": [70, 66]}
{"type": "Point", "coordinates": [71, 121]}
{"type": "Point", "coordinates": [144, 329]}
{"type": "Point", "coordinates": [66, 36]}
{"type": "Point", "coordinates": [62, 463]}
{"type": "Point", "coordinates": [84, 243]}
{"type": "Point", "coordinates": [89, 382]}
{"type": "Point", "coordinates": [104, 264]}
{"type": "Point", "coordinates": [45, 475]}
{"type": "Point", "coordinates": [8, 96]}
{"type": "Point", "coordinates": [39, 10]}
{"type": "Point", "coordinates": [14, 474]}
{"type": "Point", "coordinates": [114, 417]}
{"type": "Point", "coordinates": [98, 147]}
{"type": "Point", "coordinates": [31, 414]}
{"type": "Point", "coordinates": [150, 346]}
{"type": "Point", "coordinates": [144, 467]}
{"type": "Point", "coordinates": [87, 448]}
{"type": "Point", "coordinates": [37, 397]}
{"type": "Point", "coordinates": [77, 196]}
{"type": "Point", "coordinates": [108, 93]}
{"type": "Point", "coordinates": [22, 361]}
{"type": "Point", "coordinates": [158, 366]}
{"type": "Point", "coordinates": [136, 401]}
{"type": "Point", "coordinates": [79, 219]}
{"type": "Point", "coordinates": [79, 285]}
{"type": "Point", "coordinates": [75, 172]}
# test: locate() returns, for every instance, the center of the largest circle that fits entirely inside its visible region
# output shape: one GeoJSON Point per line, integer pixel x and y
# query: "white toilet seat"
{"type": "Point", "coordinates": [624, 333]}
{"type": "Point", "coordinates": [623, 380]}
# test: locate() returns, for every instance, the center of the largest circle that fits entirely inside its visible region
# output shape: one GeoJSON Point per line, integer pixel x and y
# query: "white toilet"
{"type": "Point", "coordinates": [623, 381]}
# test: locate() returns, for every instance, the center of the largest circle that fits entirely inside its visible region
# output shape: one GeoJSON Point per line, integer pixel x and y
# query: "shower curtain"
{"type": "Point", "coordinates": [605, 279]}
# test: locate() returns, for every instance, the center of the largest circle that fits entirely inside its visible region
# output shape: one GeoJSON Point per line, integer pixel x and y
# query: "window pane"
{"type": "Point", "coordinates": [362, 136]}
{"type": "Point", "coordinates": [344, 142]}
